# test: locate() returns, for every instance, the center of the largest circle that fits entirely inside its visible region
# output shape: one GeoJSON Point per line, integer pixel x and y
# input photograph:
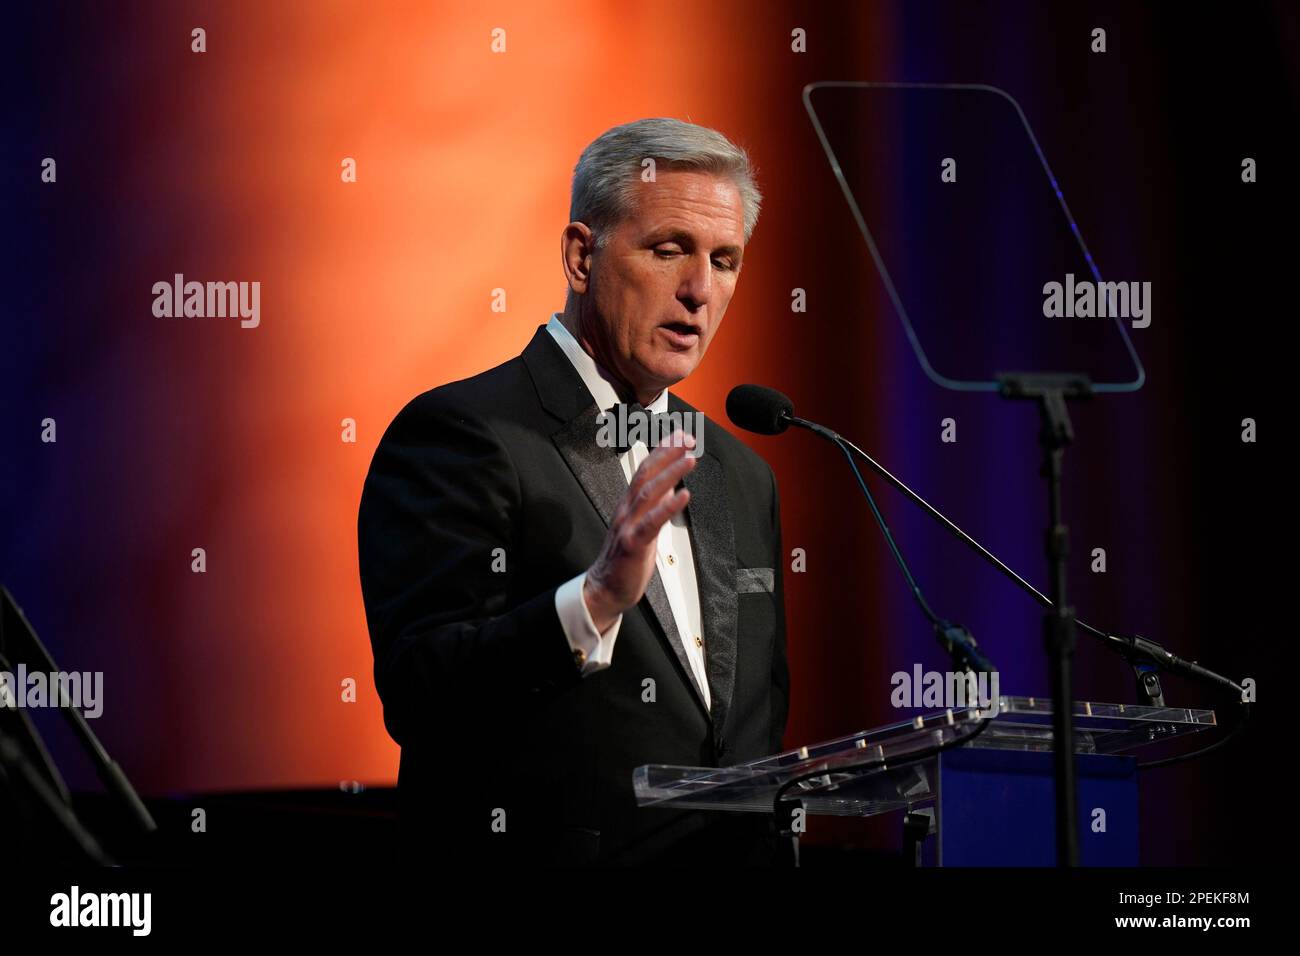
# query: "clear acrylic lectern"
{"type": "Point", "coordinates": [991, 799]}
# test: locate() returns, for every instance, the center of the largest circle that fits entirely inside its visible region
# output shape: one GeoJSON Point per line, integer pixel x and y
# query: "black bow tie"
{"type": "Point", "coordinates": [632, 420]}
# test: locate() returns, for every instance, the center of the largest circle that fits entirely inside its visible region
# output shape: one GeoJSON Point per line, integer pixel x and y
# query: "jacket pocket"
{"type": "Point", "coordinates": [754, 580]}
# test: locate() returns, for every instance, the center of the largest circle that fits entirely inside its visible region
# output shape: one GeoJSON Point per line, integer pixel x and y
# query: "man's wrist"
{"type": "Point", "coordinates": [603, 612]}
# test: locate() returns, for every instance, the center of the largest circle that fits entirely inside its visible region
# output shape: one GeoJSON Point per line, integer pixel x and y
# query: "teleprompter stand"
{"type": "Point", "coordinates": [1052, 392]}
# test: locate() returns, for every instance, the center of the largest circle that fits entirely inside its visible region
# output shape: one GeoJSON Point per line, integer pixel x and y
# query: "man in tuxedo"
{"type": "Point", "coordinates": [549, 613]}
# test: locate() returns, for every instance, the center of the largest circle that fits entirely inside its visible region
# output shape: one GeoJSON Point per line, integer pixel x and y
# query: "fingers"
{"type": "Point", "coordinates": [618, 578]}
{"type": "Point", "coordinates": [662, 457]}
{"type": "Point", "coordinates": [654, 519]}
{"type": "Point", "coordinates": [654, 491]}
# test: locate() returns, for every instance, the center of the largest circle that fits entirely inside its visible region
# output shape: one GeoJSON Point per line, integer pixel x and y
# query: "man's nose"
{"type": "Point", "coordinates": [697, 283]}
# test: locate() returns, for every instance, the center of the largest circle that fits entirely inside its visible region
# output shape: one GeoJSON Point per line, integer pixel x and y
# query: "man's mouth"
{"type": "Point", "coordinates": [681, 335]}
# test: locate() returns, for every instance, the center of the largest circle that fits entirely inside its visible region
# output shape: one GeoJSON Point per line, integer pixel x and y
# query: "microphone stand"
{"type": "Point", "coordinates": [1058, 623]}
{"type": "Point", "coordinates": [1051, 392]}
{"type": "Point", "coordinates": [962, 648]}
{"type": "Point", "coordinates": [1137, 650]}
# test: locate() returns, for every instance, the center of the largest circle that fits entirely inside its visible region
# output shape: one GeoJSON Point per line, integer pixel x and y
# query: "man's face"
{"type": "Point", "coordinates": [662, 281]}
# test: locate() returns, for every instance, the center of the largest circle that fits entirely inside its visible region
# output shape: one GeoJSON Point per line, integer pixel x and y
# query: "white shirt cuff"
{"type": "Point", "coordinates": [593, 650]}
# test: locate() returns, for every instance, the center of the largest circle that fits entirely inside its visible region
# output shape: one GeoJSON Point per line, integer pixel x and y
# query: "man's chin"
{"type": "Point", "coordinates": [671, 369]}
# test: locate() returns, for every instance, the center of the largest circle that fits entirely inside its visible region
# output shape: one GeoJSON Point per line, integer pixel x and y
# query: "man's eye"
{"type": "Point", "coordinates": [726, 264]}
{"type": "Point", "coordinates": [665, 252]}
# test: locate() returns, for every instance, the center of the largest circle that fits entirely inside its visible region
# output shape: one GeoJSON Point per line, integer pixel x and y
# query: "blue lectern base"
{"type": "Point", "coordinates": [995, 808]}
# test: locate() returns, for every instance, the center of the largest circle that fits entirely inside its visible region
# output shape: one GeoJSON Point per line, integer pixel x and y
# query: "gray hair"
{"type": "Point", "coordinates": [608, 167]}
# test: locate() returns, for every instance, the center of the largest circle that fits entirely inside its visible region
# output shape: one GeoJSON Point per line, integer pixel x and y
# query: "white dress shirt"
{"type": "Point", "coordinates": [674, 560]}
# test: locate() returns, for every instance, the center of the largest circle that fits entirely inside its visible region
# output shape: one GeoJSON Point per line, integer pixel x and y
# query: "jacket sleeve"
{"type": "Point", "coordinates": [780, 665]}
{"type": "Point", "coordinates": [442, 496]}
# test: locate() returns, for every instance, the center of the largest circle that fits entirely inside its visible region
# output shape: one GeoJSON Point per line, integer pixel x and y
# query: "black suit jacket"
{"type": "Point", "coordinates": [507, 751]}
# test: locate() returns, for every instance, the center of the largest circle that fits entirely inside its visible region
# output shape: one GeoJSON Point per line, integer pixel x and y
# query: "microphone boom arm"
{"type": "Point", "coordinates": [1132, 647]}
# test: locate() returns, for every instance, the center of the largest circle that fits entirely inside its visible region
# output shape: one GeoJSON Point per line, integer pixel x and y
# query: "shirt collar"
{"type": "Point", "coordinates": [593, 376]}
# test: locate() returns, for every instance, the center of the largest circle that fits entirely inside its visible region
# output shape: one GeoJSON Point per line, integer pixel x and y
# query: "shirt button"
{"type": "Point", "coordinates": [579, 656]}
{"type": "Point", "coordinates": [671, 560]}
{"type": "Point", "coordinates": [698, 641]}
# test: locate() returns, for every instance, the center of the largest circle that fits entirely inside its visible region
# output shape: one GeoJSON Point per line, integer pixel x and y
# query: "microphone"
{"type": "Point", "coordinates": [769, 412]}
{"type": "Point", "coordinates": [766, 411]}
{"type": "Point", "coordinates": [758, 409]}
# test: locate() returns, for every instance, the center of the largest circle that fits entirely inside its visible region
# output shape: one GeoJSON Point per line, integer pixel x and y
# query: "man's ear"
{"type": "Point", "coordinates": [577, 245]}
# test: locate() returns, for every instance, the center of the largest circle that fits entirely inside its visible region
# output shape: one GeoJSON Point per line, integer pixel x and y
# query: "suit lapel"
{"type": "Point", "coordinates": [598, 471]}
{"type": "Point", "coordinates": [713, 544]}
{"type": "Point", "coordinates": [601, 476]}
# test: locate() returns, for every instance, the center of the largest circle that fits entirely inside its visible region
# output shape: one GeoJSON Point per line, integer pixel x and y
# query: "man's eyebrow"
{"type": "Point", "coordinates": [683, 238]}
